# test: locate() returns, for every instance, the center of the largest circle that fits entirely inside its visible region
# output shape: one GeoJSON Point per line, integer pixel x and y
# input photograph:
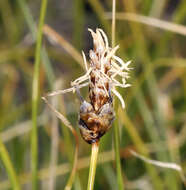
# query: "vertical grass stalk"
{"type": "Point", "coordinates": [9, 167]}
{"type": "Point", "coordinates": [93, 163]}
{"type": "Point", "coordinates": [35, 97]}
{"type": "Point", "coordinates": [113, 22]}
{"type": "Point", "coordinates": [117, 157]}
{"type": "Point", "coordinates": [116, 129]}
{"type": "Point", "coordinates": [44, 55]}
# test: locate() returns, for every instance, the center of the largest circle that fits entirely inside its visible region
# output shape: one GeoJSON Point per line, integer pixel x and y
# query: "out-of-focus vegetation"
{"type": "Point", "coordinates": [153, 123]}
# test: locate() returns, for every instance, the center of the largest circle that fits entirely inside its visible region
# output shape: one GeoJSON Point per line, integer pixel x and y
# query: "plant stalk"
{"type": "Point", "coordinates": [117, 158]}
{"type": "Point", "coordinates": [116, 129]}
{"type": "Point", "coordinates": [93, 163]}
{"type": "Point", "coordinates": [35, 97]}
{"type": "Point", "coordinates": [9, 167]}
{"type": "Point", "coordinates": [113, 22]}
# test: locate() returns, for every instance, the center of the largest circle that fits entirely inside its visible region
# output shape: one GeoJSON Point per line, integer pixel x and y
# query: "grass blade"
{"type": "Point", "coordinates": [35, 97]}
{"type": "Point", "coordinates": [9, 167]}
{"type": "Point", "coordinates": [116, 129]}
{"type": "Point", "coordinates": [117, 157]}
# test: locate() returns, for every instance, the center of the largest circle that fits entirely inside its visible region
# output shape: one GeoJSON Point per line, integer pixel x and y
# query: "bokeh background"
{"type": "Point", "coordinates": [154, 120]}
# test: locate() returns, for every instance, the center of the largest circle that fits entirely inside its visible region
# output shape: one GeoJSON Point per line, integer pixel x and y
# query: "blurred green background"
{"type": "Point", "coordinates": [154, 120]}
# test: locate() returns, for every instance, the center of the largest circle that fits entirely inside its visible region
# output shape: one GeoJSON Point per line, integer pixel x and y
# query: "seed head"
{"type": "Point", "coordinates": [105, 72]}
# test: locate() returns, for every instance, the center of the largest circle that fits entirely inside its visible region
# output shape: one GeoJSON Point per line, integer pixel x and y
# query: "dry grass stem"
{"type": "Point", "coordinates": [161, 164]}
{"type": "Point", "coordinates": [56, 38]}
{"type": "Point", "coordinates": [68, 124]}
{"type": "Point", "coordinates": [165, 25]}
{"type": "Point", "coordinates": [54, 143]}
{"type": "Point", "coordinates": [21, 128]}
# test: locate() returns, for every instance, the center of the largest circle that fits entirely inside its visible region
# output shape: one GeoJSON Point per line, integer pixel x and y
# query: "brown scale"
{"type": "Point", "coordinates": [98, 96]}
{"type": "Point", "coordinates": [97, 116]}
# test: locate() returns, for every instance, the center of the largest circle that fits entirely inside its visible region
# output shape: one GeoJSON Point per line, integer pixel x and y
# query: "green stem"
{"type": "Point", "coordinates": [44, 55]}
{"type": "Point", "coordinates": [116, 129]}
{"type": "Point", "coordinates": [93, 162]}
{"type": "Point", "coordinates": [117, 158]}
{"type": "Point", "coordinates": [9, 167]}
{"type": "Point", "coordinates": [113, 22]}
{"type": "Point", "coordinates": [35, 97]}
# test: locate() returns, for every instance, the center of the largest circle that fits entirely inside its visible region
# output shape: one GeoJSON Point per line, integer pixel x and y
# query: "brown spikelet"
{"type": "Point", "coordinates": [96, 117]}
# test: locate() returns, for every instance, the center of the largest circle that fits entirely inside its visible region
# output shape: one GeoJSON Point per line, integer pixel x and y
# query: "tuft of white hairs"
{"type": "Point", "coordinates": [119, 69]}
